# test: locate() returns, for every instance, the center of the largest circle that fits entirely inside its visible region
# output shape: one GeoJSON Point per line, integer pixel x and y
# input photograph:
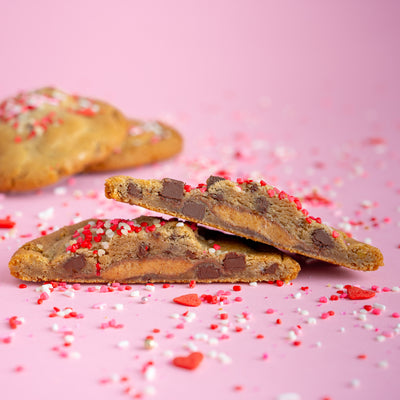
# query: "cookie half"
{"type": "Point", "coordinates": [147, 142]}
{"type": "Point", "coordinates": [250, 209]}
{"type": "Point", "coordinates": [47, 134]}
{"type": "Point", "coordinates": [148, 250]}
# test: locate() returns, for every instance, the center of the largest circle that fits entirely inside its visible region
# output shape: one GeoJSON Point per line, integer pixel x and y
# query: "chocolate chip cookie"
{"type": "Point", "coordinates": [147, 142]}
{"type": "Point", "coordinates": [148, 249]}
{"type": "Point", "coordinates": [254, 210]}
{"type": "Point", "coordinates": [47, 134]}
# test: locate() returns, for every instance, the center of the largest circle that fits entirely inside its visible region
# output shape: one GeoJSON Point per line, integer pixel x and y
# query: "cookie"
{"type": "Point", "coordinates": [147, 250]}
{"type": "Point", "coordinates": [253, 210]}
{"type": "Point", "coordinates": [47, 134]}
{"type": "Point", "coordinates": [147, 142]}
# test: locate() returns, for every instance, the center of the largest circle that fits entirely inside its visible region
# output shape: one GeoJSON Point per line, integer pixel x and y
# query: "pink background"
{"type": "Point", "coordinates": [306, 95]}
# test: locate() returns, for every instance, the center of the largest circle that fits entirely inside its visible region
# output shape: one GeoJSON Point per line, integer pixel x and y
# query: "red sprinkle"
{"type": "Point", "coordinates": [237, 288]}
{"type": "Point", "coordinates": [190, 300]}
{"type": "Point", "coordinates": [192, 284]}
{"type": "Point", "coordinates": [22, 286]}
{"type": "Point", "coordinates": [355, 293]}
{"type": "Point", "coordinates": [6, 223]}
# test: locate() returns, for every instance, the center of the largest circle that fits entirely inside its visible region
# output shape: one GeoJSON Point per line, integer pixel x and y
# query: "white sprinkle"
{"type": "Point", "coordinates": [339, 286]}
{"type": "Point", "coordinates": [253, 284]}
{"type": "Point", "coordinates": [150, 390]}
{"type": "Point", "coordinates": [380, 306]}
{"type": "Point", "coordinates": [318, 344]}
{"type": "Point", "coordinates": [101, 252]}
{"type": "Point", "coordinates": [150, 288]}
{"type": "Point", "coordinates": [368, 241]}
{"type": "Point", "coordinates": [105, 245]}
{"type": "Point", "coordinates": [69, 293]}
{"type": "Point", "coordinates": [119, 306]}
{"type": "Point", "coordinates": [368, 327]}
{"type": "Point", "coordinates": [168, 353]}
{"type": "Point", "coordinates": [123, 344]}
{"type": "Point", "coordinates": [296, 295]}
{"type": "Point", "coordinates": [109, 233]}
{"type": "Point", "coordinates": [292, 335]}
{"type": "Point", "coordinates": [46, 214]}
{"type": "Point", "coordinates": [362, 317]}
{"type": "Point", "coordinates": [355, 383]}
{"type": "Point", "coordinates": [55, 328]}
{"type": "Point", "coordinates": [115, 378]}
{"type": "Point", "coordinates": [383, 364]}
{"type": "Point", "coordinates": [134, 293]}
{"type": "Point", "coordinates": [144, 300]}
{"type": "Point", "coordinates": [363, 311]}
{"type": "Point", "coordinates": [59, 191]}
{"type": "Point", "coordinates": [225, 359]}
{"type": "Point", "coordinates": [289, 396]}
{"type": "Point", "coordinates": [201, 336]}
{"type": "Point", "coordinates": [380, 338]}
{"type": "Point", "coordinates": [75, 355]}
{"type": "Point", "coordinates": [212, 354]}
{"type": "Point", "coordinates": [211, 250]}
{"type": "Point", "coordinates": [150, 373]}
{"type": "Point", "coordinates": [224, 329]}
{"type": "Point", "coordinates": [312, 321]}
{"type": "Point", "coordinates": [191, 346]}
{"type": "Point", "coordinates": [342, 330]}
{"type": "Point", "coordinates": [305, 312]}
{"type": "Point", "coordinates": [69, 339]}
{"type": "Point", "coordinates": [174, 316]}
{"type": "Point", "coordinates": [395, 289]}
{"type": "Point", "coordinates": [213, 341]}
{"type": "Point", "coordinates": [180, 224]}
{"type": "Point", "coordinates": [190, 316]}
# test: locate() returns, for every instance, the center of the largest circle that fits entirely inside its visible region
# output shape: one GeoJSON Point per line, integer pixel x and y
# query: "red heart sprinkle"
{"type": "Point", "coordinates": [355, 293]}
{"type": "Point", "coordinates": [192, 361]}
{"type": "Point", "coordinates": [190, 300]}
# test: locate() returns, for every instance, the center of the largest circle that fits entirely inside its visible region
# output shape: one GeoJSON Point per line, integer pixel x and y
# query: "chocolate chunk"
{"type": "Point", "coordinates": [271, 269]}
{"type": "Point", "coordinates": [194, 209]}
{"type": "Point", "coordinates": [261, 204]}
{"type": "Point", "coordinates": [217, 196]}
{"type": "Point", "coordinates": [322, 239]}
{"type": "Point", "coordinates": [213, 179]}
{"type": "Point", "coordinates": [172, 189]}
{"type": "Point", "coordinates": [75, 264]}
{"type": "Point", "coordinates": [252, 186]}
{"type": "Point", "coordinates": [142, 250]}
{"type": "Point", "coordinates": [234, 262]}
{"type": "Point", "coordinates": [208, 270]}
{"type": "Point", "coordinates": [134, 190]}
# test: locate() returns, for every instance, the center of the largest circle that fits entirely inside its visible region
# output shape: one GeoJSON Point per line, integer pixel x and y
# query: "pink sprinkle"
{"type": "Point", "coordinates": [76, 286]}
{"type": "Point", "coordinates": [180, 326]}
{"type": "Point", "coordinates": [115, 284]}
{"type": "Point", "coordinates": [396, 315]}
{"type": "Point", "coordinates": [323, 299]}
{"type": "Point", "coordinates": [386, 289]}
{"type": "Point", "coordinates": [374, 287]}
{"type": "Point", "coordinates": [238, 299]}
{"type": "Point", "coordinates": [270, 311]}
{"type": "Point", "coordinates": [265, 356]}
{"type": "Point", "coordinates": [91, 289]}
{"type": "Point", "coordinates": [103, 289]}
{"type": "Point", "coordinates": [324, 316]}
{"type": "Point", "coordinates": [376, 311]}
{"type": "Point", "coordinates": [387, 334]}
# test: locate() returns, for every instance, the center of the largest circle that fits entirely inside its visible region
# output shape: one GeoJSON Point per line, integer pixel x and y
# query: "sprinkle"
{"type": "Point", "coordinates": [123, 344]}
{"type": "Point", "coordinates": [355, 383]}
{"type": "Point", "coordinates": [253, 284]}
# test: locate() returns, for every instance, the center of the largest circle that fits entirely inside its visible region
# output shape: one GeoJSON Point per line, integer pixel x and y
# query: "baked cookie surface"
{"type": "Point", "coordinates": [250, 209]}
{"type": "Point", "coordinates": [147, 142]}
{"type": "Point", "coordinates": [148, 249]}
{"type": "Point", "coordinates": [47, 134]}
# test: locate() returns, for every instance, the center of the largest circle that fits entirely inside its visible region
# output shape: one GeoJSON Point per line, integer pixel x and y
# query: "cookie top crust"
{"type": "Point", "coordinates": [48, 134]}
{"type": "Point", "coordinates": [254, 210]}
{"type": "Point", "coordinates": [146, 142]}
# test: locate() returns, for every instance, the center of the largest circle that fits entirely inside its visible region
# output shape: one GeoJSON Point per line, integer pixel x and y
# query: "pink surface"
{"type": "Point", "coordinates": [302, 94]}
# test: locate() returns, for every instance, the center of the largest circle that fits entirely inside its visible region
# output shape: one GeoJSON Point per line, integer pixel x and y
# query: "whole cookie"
{"type": "Point", "coordinates": [146, 143]}
{"type": "Point", "coordinates": [47, 134]}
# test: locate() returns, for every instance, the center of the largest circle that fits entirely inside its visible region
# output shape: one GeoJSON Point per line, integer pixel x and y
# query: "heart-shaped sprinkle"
{"type": "Point", "coordinates": [190, 300]}
{"type": "Point", "coordinates": [192, 361]}
{"type": "Point", "coordinates": [355, 293]}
